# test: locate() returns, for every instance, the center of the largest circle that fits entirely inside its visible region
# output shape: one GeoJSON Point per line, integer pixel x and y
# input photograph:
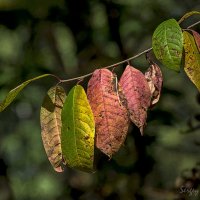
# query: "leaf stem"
{"type": "Point", "coordinates": [118, 63]}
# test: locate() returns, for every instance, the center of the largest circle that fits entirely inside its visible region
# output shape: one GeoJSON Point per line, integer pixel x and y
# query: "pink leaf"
{"type": "Point", "coordinates": [138, 95]}
{"type": "Point", "coordinates": [197, 38]}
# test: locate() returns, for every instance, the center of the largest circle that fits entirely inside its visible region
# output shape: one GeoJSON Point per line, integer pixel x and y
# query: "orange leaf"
{"type": "Point", "coordinates": [110, 113]}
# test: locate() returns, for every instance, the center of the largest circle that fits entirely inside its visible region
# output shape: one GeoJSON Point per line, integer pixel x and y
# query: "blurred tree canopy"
{"type": "Point", "coordinates": [70, 38]}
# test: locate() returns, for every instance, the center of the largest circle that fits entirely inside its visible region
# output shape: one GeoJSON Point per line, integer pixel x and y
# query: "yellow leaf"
{"type": "Point", "coordinates": [78, 129]}
{"type": "Point", "coordinates": [192, 59]}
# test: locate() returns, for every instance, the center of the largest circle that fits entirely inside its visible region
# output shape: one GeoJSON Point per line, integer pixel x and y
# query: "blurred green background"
{"type": "Point", "coordinates": [69, 38]}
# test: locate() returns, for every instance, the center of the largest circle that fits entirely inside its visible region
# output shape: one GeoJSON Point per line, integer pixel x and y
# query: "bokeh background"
{"type": "Point", "coordinates": [70, 38]}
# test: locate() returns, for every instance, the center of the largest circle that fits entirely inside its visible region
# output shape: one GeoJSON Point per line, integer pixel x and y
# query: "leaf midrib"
{"type": "Point", "coordinates": [104, 107]}
{"type": "Point", "coordinates": [74, 125]}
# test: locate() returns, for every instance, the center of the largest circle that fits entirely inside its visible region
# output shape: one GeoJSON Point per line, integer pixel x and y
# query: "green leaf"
{"type": "Point", "coordinates": [14, 92]}
{"type": "Point", "coordinates": [50, 120]}
{"type": "Point", "coordinates": [192, 59]}
{"type": "Point", "coordinates": [188, 15]}
{"type": "Point", "coordinates": [167, 44]}
{"type": "Point", "coordinates": [78, 129]}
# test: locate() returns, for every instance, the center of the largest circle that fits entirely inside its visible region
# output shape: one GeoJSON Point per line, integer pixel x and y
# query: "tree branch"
{"type": "Point", "coordinates": [118, 63]}
{"type": "Point", "coordinates": [110, 66]}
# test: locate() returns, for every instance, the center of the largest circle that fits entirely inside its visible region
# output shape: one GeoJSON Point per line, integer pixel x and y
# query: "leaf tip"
{"type": "Point", "coordinates": [58, 169]}
{"type": "Point", "coordinates": [142, 130]}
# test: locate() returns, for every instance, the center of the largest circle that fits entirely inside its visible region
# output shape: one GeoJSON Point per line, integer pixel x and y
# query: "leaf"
{"type": "Point", "coordinates": [188, 15]}
{"type": "Point", "coordinates": [138, 95]}
{"type": "Point", "coordinates": [192, 59]}
{"type": "Point", "coordinates": [167, 43]}
{"type": "Point", "coordinates": [50, 120]}
{"type": "Point", "coordinates": [110, 113]}
{"type": "Point", "coordinates": [154, 78]}
{"type": "Point", "coordinates": [78, 129]}
{"type": "Point", "coordinates": [197, 38]}
{"type": "Point", "coordinates": [14, 92]}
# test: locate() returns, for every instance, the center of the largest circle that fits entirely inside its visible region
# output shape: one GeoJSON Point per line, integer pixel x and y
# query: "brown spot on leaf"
{"type": "Point", "coordinates": [138, 95]}
{"type": "Point", "coordinates": [155, 80]}
{"type": "Point", "coordinates": [111, 116]}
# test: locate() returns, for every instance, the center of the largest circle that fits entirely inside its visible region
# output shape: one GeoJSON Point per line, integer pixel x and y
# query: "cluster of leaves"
{"type": "Point", "coordinates": [73, 124]}
{"type": "Point", "coordinates": [171, 45]}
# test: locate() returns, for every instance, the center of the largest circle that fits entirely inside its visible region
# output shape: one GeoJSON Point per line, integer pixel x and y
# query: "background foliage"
{"type": "Point", "coordinates": [71, 38]}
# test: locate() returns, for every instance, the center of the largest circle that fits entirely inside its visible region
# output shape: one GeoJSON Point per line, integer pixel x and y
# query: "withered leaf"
{"type": "Point", "coordinates": [138, 95]}
{"type": "Point", "coordinates": [155, 79]}
{"type": "Point", "coordinates": [192, 59]}
{"type": "Point", "coordinates": [110, 113]}
{"type": "Point", "coordinates": [50, 119]}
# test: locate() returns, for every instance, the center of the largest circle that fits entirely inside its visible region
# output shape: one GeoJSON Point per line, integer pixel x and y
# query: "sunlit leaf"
{"type": "Point", "coordinates": [14, 92]}
{"type": "Point", "coordinates": [197, 38]}
{"type": "Point", "coordinates": [154, 78]}
{"type": "Point", "coordinates": [50, 119]}
{"type": "Point", "coordinates": [138, 95]}
{"type": "Point", "coordinates": [185, 16]}
{"type": "Point", "coordinates": [78, 130]}
{"type": "Point", "coordinates": [192, 59]}
{"type": "Point", "coordinates": [167, 43]}
{"type": "Point", "coordinates": [110, 113]}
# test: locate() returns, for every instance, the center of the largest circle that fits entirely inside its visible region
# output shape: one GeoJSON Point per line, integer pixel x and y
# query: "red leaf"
{"type": "Point", "coordinates": [197, 38]}
{"type": "Point", "coordinates": [154, 78]}
{"type": "Point", "coordinates": [110, 113]}
{"type": "Point", "coordinates": [138, 95]}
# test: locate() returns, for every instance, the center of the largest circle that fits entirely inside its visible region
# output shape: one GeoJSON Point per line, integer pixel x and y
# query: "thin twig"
{"type": "Point", "coordinates": [76, 78]}
{"type": "Point", "coordinates": [194, 24]}
{"type": "Point", "coordinates": [119, 63]}
{"type": "Point", "coordinates": [188, 15]}
{"type": "Point", "coordinates": [107, 67]}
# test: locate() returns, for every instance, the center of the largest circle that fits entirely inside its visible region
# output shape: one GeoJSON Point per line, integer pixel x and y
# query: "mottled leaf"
{"type": "Point", "coordinates": [109, 109]}
{"type": "Point", "coordinates": [138, 95]}
{"type": "Point", "coordinates": [50, 119]}
{"type": "Point", "coordinates": [14, 92]}
{"type": "Point", "coordinates": [78, 130]}
{"type": "Point", "coordinates": [154, 78]}
{"type": "Point", "coordinates": [197, 38]}
{"type": "Point", "coordinates": [192, 59]}
{"type": "Point", "coordinates": [188, 15]}
{"type": "Point", "coordinates": [167, 43]}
